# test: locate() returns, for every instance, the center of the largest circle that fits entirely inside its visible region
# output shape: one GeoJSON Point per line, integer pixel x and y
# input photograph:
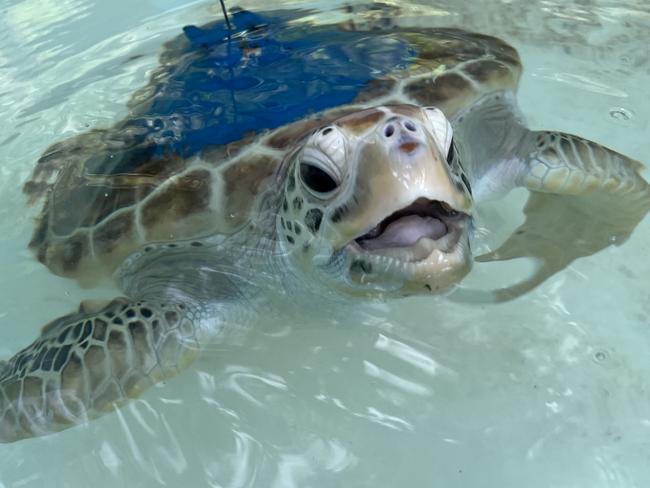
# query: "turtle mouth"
{"type": "Point", "coordinates": [413, 232]}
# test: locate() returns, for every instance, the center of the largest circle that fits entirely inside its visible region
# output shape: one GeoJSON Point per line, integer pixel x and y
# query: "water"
{"type": "Point", "coordinates": [550, 390]}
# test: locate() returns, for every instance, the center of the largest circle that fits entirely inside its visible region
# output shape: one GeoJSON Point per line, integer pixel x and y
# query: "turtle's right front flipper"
{"type": "Point", "coordinates": [584, 198]}
{"type": "Point", "coordinates": [86, 364]}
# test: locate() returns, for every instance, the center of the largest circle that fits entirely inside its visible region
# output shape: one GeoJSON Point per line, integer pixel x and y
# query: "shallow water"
{"type": "Point", "coordinates": [550, 390]}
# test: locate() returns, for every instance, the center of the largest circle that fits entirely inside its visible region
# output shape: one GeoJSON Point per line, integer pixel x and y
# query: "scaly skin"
{"type": "Point", "coordinates": [568, 164]}
{"type": "Point", "coordinates": [84, 365]}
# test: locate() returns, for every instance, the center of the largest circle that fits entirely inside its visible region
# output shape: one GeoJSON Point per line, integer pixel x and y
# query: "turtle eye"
{"type": "Point", "coordinates": [451, 154]}
{"type": "Point", "coordinates": [317, 179]}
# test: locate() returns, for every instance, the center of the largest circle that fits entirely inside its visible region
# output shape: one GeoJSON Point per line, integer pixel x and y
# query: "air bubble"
{"type": "Point", "coordinates": [620, 114]}
{"type": "Point", "coordinates": [601, 356]}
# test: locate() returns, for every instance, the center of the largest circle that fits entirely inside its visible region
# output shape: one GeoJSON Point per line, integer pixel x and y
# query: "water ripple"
{"type": "Point", "coordinates": [410, 355]}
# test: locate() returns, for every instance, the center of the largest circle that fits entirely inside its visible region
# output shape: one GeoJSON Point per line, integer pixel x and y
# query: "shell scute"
{"type": "Point", "coordinates": [107, 236]}
{"type": "Point", "coordinates": [243, 181]}
{"type": "Point", "coordinates": [183, 196]}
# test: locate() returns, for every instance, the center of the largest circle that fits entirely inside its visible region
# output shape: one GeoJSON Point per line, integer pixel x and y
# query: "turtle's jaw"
{"type": "Point", "coordinates": [406, 233]}
{"type": "Point", "coordinates": [422, 247]}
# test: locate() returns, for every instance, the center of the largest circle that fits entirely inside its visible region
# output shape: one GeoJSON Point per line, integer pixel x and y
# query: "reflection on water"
{"type": "Point", "coordinates": [548, 390]}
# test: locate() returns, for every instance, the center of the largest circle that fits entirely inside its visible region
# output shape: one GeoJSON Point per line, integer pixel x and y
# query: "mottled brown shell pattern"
{"type": "Point", "coordinates": [92, 219]}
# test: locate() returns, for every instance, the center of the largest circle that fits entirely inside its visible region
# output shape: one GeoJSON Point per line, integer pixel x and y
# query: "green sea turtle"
{"type": "Point", "coordinates": [347, 156]}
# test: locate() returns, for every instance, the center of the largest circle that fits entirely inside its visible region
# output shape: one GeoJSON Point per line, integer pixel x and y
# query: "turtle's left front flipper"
{"type": "Point", "coordinates": [90, 362]}
{"type": "Point", "coordinates": [584, 197]}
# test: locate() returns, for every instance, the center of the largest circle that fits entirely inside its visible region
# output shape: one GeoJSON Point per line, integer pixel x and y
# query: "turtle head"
{"type": "Point", "coordinates": [377, 202]}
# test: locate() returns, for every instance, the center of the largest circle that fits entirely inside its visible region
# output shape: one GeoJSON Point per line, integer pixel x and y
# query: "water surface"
{"type": "Point", "coordinates": [549, 390]}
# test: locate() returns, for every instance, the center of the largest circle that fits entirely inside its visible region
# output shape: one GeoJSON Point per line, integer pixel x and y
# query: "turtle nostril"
{"type": "Point", "coordinates": [410, 126]}
{"type": "Point", "coordinates": [389, 130]}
